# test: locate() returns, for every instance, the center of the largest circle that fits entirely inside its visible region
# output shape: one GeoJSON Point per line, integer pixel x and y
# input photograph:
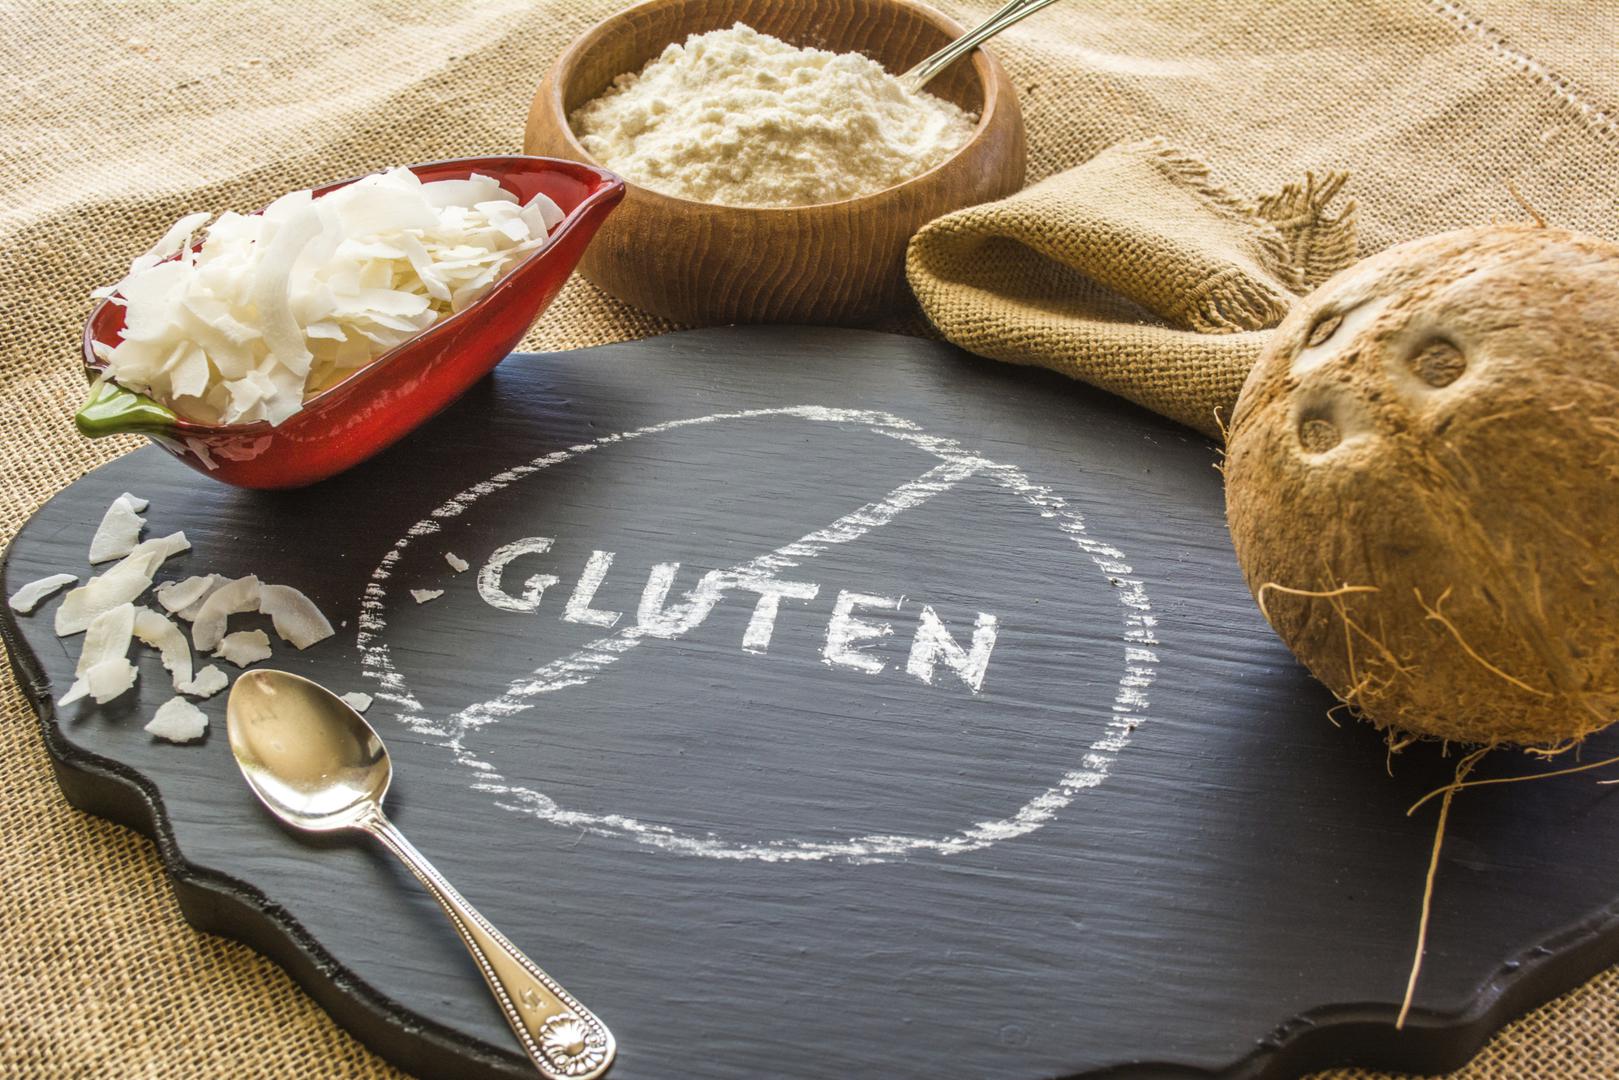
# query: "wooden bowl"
{"type": "Point", "coordinates": [831, 262]}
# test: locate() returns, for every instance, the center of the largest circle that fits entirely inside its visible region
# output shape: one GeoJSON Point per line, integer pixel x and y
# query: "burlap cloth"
{"type": "Point", "coordinates": [1136, 271]}
{"type": "Point", "coordinates": [117, 118]}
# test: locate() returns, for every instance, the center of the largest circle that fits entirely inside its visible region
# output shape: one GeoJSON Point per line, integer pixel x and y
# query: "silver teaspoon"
{"type": "Point", "coordinates": [1016, 11]}
{"type": "Point", "coordinates": [320, 767]}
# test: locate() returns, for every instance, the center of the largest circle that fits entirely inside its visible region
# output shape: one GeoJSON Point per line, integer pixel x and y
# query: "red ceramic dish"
{"type": "Point", "coordinates": [385, 400]}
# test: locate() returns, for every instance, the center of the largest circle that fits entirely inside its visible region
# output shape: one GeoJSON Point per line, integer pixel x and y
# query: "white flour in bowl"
{"type": "Point", "coordinates": [744, 119]}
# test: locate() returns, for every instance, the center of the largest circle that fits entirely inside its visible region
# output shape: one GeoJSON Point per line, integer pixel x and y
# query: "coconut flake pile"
{"type": "Point", "coordinates": [275, 307]}
{"type": "Point", "coordinates": [106, 611]}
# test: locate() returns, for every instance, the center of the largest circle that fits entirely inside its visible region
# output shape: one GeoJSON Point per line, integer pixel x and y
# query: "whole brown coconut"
{"type": "Point", "coordinates": [1430, 443]}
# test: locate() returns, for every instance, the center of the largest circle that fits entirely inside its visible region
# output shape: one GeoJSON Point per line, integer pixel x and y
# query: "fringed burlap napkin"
{"type": "Point", "coordinates": [1135, 272]}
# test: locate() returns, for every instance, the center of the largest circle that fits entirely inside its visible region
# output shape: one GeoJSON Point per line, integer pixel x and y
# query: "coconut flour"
{"type": "Point", "coordinates": [742, 118]}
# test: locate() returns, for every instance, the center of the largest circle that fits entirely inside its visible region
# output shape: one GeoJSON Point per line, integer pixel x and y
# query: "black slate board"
{"type": "Point", "coordinates": [807, 890]}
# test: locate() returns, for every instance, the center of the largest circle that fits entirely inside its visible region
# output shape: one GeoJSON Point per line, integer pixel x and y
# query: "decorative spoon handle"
{"type": "Point", "coordinates": [1015, 11]}
{"type": "Point", "coordinates": [564, 1039]}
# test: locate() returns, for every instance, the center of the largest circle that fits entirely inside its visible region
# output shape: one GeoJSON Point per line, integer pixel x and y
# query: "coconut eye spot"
{"type": "Point", "coordinates": [1322, 344]}
{"type": "Point", "coordinates": [1317, 434]}
{"type": "Point", "coordinates": [1323, 329]}
{"type": "Point", "coordinates": [1438, 363]}
{"type": "Point", "coordinates": [1325, 417]}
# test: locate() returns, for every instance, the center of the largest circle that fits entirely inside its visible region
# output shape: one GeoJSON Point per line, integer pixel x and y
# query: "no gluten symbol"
{"type": "Point", "coordinates": [936, 651]}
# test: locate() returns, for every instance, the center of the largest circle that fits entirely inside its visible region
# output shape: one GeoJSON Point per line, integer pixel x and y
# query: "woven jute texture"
{"type": "Point", "coordinates": [116, 118]}
{"type": "Point", "coordinates": [1136, 272]}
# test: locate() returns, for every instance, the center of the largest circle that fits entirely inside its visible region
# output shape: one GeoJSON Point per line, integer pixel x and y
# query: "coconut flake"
{"type": "Point", "coordinates": [355, 700]}
{"type": "Point", "coordinates": [244, 647]}
{"type": "Point", "coordinates": [209, 681]}
{"type": "Point", "coordinates": [121, 583]}
{"type": "Point", "coordinates": [457, 563]}
{"type": "Point", "coordinates": [296, 618]}
{"type": "Point", "coordinates": [107, 637]}
{"type": "Point", "coordinates": [540, 211]}
{"type": "Point", "coordinates": [170, 642]}
{"type": "Point", "coordinates": [27, 598]}
{"type": "Point", "coordinates": [120, 529]}
{"type": "Point", "coordinates": [229, 599]}
{"type": "Point", "coordinates": [103, 682]}
{"type": "Point", "coordinates": [178, 237]}
{"type": "Point", "coordinates": [177, 720]}
{"type": "Point", "coordinates": [184, 598]}
{"type": "Point", "coordinates": [422, 596]}
{"type": "Point", "coordinates": [272, 289]}
{"type": "Point", "coordinates": [103, 670]}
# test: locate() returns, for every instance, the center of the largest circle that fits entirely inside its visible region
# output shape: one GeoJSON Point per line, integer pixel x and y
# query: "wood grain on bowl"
{"type": "Point", "coordinates": [828, 263]}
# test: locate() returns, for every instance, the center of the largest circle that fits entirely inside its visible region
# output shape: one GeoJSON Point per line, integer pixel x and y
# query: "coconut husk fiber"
{"type": "Point", "coordinates": [118, 118]}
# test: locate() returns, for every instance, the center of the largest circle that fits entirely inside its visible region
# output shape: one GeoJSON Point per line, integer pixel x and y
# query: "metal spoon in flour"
{"type": "Point", "coordinates": [920, 75]}
{"type": "Point", "coordinates": [320, 767]}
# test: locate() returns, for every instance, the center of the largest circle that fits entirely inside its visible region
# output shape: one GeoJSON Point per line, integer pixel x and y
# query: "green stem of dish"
{"type": "Point", "coordinates": [112, 410]}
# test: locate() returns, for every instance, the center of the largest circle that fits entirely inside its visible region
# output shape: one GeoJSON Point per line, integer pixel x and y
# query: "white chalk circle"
{"type": "Point", "coordinates": [1137, 638]}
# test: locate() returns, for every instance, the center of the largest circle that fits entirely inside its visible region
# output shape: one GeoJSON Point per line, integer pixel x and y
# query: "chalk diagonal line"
{"type": "Point", "coordinates": [582, 665]}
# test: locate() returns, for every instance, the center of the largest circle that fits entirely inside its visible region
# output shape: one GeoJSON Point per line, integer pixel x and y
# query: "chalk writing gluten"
{"type": "Point", "coordinates": [850, 635]}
